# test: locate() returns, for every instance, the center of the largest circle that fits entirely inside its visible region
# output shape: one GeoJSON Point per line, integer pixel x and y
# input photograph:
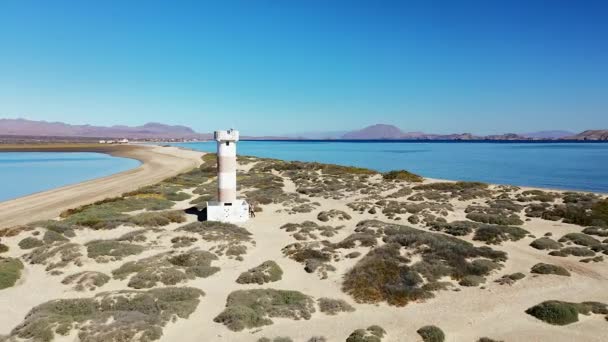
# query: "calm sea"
{"type": "Point", "coordinates": [575, 166]}
{"type": "Point", "coordinates": [24, 173]}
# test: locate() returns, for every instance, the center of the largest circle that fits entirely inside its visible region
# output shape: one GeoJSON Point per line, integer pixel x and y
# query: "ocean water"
{"type": "Point", "coordinates": [573, 166]}
{"type": "Point", "coordinates": [24, 173]}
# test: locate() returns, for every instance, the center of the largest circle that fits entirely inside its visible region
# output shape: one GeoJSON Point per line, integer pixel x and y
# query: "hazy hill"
{"type": "Point", "coordinates": [379, 131]}
{"type": "Point", "coordinates": [598, 134]}
{"type": "Point", "coordinates": [548, 134]}
{"type": "Point", "coordinates": [23, 127]}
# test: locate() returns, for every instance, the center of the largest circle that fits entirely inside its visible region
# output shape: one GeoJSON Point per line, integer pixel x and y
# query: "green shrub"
{"type": "Point", "coordinates": [431, 333]}
{"type": "Point", "coordinates": [576, 251]}
{"type": "Point", "coordinates": [598, 231]}
{"type": "Point", "coordinates": [580, 239]}
{"type": "Point", "coordinates": [109, 213]}
{"type": "Point", "coordinates": [373, 333]}
{"type": "Point", "coordinates": [402, 175]}
{"type": "Point", "coordinates": [167, 268]}
{"type": "Point", "coordinates": [109, 250]}
{"type": "Point", "coordinates": [10, 271]}
{"type": "Point", "coordinates": [266, 272]}
{"type": "Point", "coordinates": [472, 280]}
{"type": "Point", "coordinates": [542, 268]}
{"type": "Point", "coordinates": [510, 279]}
{"type": "Point", "coordinates": [158, 219]}
{"type": "Point", "coordinates": [455, 228]}
{"type": "Point", "coordinates": [384, 274]}
{"type": "Point", "coordinates": [30, 242]}
{"type": "Point", "coordinates": [545, 243]}
{"type": "Point", "coordinates": [51, 236]}
{"type": "Point", "coordinates": [497, 219]}
{"type": "Point", "coordinates": [3, 248]}
{"type": "Point", "coordinates": [495, 235]}
{"type": "Point", "coordinates": [254, 308]}
{"type": "Point", "coordinates": [325, 216]}
{"type": "Point", "coordinates": [134, 315]}
{"type": "Point", "coordinates": [56, 255]}
{"type": "Point", "coordinates": [555, 312]}
{"type": "Point", "coordinates": [332, 307]}
{"type": "Point", "coordinates": [87, 280]}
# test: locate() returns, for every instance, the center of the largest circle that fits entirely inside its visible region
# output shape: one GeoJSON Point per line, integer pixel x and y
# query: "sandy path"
{"type": "Point", "coordinates": [158, 163]}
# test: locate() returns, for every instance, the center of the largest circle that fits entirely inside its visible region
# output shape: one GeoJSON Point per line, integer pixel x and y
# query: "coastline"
{"type": "Point", "coordinates": [157, 163]}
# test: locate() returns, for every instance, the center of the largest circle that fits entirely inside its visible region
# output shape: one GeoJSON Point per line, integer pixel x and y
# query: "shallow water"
{"type": "Point", "coordinates": [24, 173]}
{"type": "Point", "coordinates": [574, 166]}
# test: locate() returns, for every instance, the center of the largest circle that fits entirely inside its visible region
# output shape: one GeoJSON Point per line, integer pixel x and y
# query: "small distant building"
{"type": "Point", "coordinates": [102, 141]}
{"type": "Point", "coordinates": [227, 208]}
{"type": "Point", "coordinates": [123, 141]}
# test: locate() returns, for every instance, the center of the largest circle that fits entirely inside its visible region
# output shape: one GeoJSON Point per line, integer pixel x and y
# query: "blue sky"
{"type": "Point", "coordinates": [277, 67]}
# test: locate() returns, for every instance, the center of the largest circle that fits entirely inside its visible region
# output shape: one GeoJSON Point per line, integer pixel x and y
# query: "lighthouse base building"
{"type": "Point", "coordinates": [227, 208]}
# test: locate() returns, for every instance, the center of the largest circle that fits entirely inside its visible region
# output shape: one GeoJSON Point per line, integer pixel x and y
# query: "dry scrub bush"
{"type": "Point", "coordinates": [255, 308]}
{"type": "Point", "coordinates": [266, 272]}
{"type": "Point", "coordinates": [110, 316]}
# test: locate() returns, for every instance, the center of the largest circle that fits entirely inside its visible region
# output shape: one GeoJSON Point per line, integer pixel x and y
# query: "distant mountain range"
{"type": "Point", "coordinates": [23, 127]}
{"type": "Point", "coordinates": [30, 128]}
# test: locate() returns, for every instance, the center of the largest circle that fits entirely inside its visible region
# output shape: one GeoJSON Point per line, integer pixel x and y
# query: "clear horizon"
{"type": "Point", "coordinates": [286, 68]}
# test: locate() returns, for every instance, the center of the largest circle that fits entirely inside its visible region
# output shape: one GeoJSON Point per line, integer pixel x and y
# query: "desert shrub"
{"type": "Point", "coordinates": [168, 189]}
{"type": "Point", "coordinates": [254, 308]}
{"type": "Point", "coordinates": [542, 268]}
{"type": "Point", "coordinates": [373, 333]}
{"type": "Point", "coordinates": [317, 339]}
{"type": "Point", "coordinates": [472, 280]}
{"type": "Point", "coordinates": [110, 250]}
{"type": "Point", "coordinates": [229, 237]}
{"type": "Point", "coordinates": [361, 207]}
{"type": "Point", "coordinates": [309, 230]}
{"type": "Point", "coordinates": [353, 255]}
{"type": "Point", "coordinates": [580, 239]}
{"type": "Point", "coordinates": [51, 236]}
{"type": "Point", "coordinates": [183, 241]}
{"type": "Point", "coordinates": [576, 251]}
{"type": "Point", "coordinates": [266, 272]}
{"type": "Point", "coordinates": [497, 219]}
{"type": "Point", "coordinates": [384, 274]}
{"type": "Point", "coordinates": [456, 228]}
{"type": "Point", "coordinates": [402, 175]}
{"type": "Point", "coordinates": [3, 248]}
{"type": "Point", "coordinates": [30, 242]}
{"type": "Point", "coordinates": [276, 339]}
{"type": "Point", "coordinates": [60, 227]}
{"type": "Point", "coordinates": [157, 219]}
{"type": "Point", "coordinates": [537, 195]}
{"type": "Point", "coordinates": [461, 190]}
{"type": "Point", "coordinates": [325, 216]}
{"type": "Point", "coordinates": [10, 271]}
{"type": "Point", "coordinates": [495, 234]}
{"type": "Point", "coordinates": [55, 256]}
{"type": "Point", "coordinates": [510, 279]}
{"type": "Point", "coordinates": [537, 209]}
{"type": "Point", "coordinates": [87, 280]}
{"type": "Point", "coordinates": [598, 231]}
{"type": "Point", "coordinates": [331, 306]}
{"type": "Point", "coordinates": [314, 255]}
{"type": "Point", "coordinates": [110, 316]}
{"type": "Point", "coordinates": [402, 192]}
{"type": "Point", "coordinates": [554, 312]}
{"type": "Point", "coordinates": [109, 213]}
{"type": "Point", "coordinates": [545, 243]}
{"type": "Point", "coordinates": [487, 339]}
{"type": "Point", "coordinates": [598, 258]}
{"type": "Point", "coordinates": [431, 333]}
{"type": "Point", "coordinates": [168, 268]}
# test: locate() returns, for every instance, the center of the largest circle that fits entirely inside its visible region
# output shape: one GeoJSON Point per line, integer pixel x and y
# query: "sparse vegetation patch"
{"type": "Point", "coordinates": [10, 272]}
{"type": "Point", "coordinates": [255, 308]}
{"type": "Point", "coordinates": [562, 313]}
{"type": "Point", "coordinates": [266, 272]}
{"type": "Point", "coordinates": [331, 306]}
{"type": "Point", "coordinates": [87, 280]}
{"type": "Point", "coordinates": [110, 316]}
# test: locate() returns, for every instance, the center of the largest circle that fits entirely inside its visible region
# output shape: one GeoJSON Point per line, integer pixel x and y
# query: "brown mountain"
{"type": "Point", "coordinates": [379, 131]}
{"type": "Point", "coordinates": [153, 130]}
{"type": "Point", "coordinates": [597, 134]}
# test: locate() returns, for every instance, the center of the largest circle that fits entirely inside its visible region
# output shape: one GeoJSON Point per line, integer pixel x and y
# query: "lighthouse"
{"type": "Point", "coordinates": [227, 208]}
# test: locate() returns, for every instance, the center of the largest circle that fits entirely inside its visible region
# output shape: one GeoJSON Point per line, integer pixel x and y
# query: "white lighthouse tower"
{"type": "Point", "coordinates": [227, 208]}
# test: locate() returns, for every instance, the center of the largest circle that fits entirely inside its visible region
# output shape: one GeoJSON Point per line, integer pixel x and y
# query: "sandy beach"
{"type": "Point", "coordinates": [337, 236]}
{"type": "Point", "coordinates": [157, 163]}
